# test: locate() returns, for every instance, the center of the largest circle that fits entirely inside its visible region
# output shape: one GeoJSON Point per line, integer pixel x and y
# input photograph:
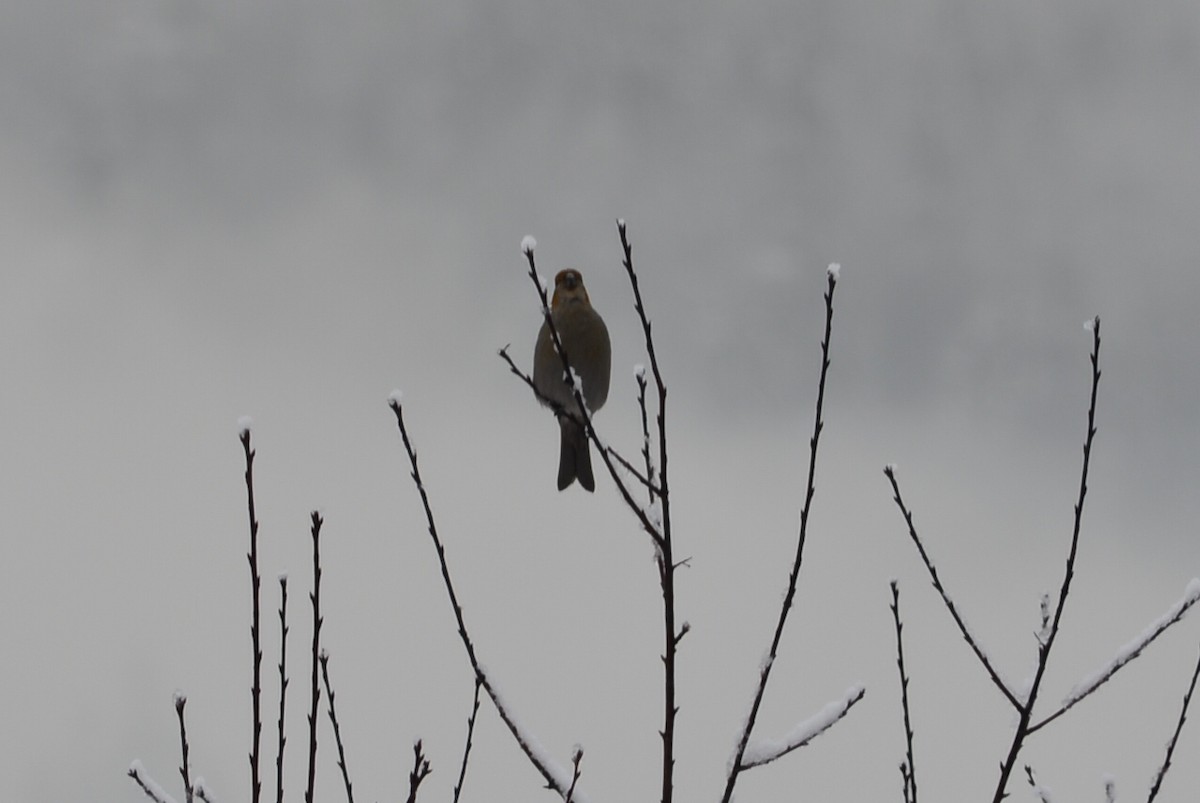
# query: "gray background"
{"type": "Point", "coordinates": [286, 209]}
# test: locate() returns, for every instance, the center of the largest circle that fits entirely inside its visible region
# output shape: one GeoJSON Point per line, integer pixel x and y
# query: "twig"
{"type": "Point", "coordinates": [153, 791]}
{"type": "Point", "coordinates": [462, 772]}
{"type": "Point", "coordinates": [1127, 653]}
{"type": "Point", "coordinates": [1166, 765]}
{"type": "Point", "coordinates": [255, 583]}
{"type": "Point", "coordinates": [910, 773]}
{"type": "Point", "coordinates": [576, 757]}
{"type": "Point", "coordinates": [638, 475]}
{"type": "Point", "coordinates": [764, 751]}
{"type": "Point", "coordinates": [315, 597]}
{"type": "Point", "coordinates": [890, 472]}
{"type": "Point", "coordinates": [640, 375]}
{"type": "Point", "coordinates": [180, 702]}
{"type": "Point", "coordinates": [665, 557]}
{"type": "Point", "coordinates": [203, 792]}
{"type": "Point", "coordinates": [283, 684]}
{"type": "Point", "coordinates": [554, 779]}
{"type": "Point", "coordinates": [1040, 792]}
{"type": "Point", "coordinates": [1025, 712]}
{"type": "Point", "coordinates": [736, 765]}
{"type": "Point", "coordinates": [419, 772]}
{"type": "Point", "coordinates": [337, 731]}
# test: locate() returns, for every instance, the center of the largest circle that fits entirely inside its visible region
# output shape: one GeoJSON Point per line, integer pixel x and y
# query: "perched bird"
{"type": "Point", "coordinates": [585, 339]}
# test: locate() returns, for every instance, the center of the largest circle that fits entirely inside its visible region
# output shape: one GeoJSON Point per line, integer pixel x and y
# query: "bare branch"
{"type": "Point", "coordinates": [420, 771]}
{"type": "Point", "coordinates": [184, 770]}
{"type": "Point", "coordinates": [462, 772]}
{"type": "Point", "coordinates": [283, 684]}
{"type": "Point", "coordinates": [1025, 713]}
{"type": "Point", "coordinates": [255, 584]}
{"type": "Point", "coordinates": [555, 777]}
{"type": "Point", "coordinates": [315, 598]}
{"type": "Point", "coordinates": [337, 731]}
{"type": "Point", "coordinates": [890, 472]}
{"type": "Point", "coordinates": [1166, 765]}
{"type": "Point", "coordinates": [910, 767]}
{"type": "Point", "coordinates": [739, 763]}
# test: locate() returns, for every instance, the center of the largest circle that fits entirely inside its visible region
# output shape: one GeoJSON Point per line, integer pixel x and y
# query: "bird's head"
{"type": "Point", "coordinates": [569, 289]}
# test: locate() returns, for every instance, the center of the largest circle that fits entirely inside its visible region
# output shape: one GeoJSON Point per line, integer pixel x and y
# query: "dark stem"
{"type": "Point", "coordinates": [255, 582]}
{"type": "Point", "coordinates": [648, 480]}
{"type": "Point", "coordinates": [910, 773]}
{"type": "Point", "coordinates": [180, 702]}
{"type": "Point", "coordinates": [462, 772]}
{"type": "Point", "coordinates": [1026, 711]}
{"type": "Point", "coordinates": [315, 597]}
{"type": "Point", "coordinates": [530, 751]}
{"type": "Point", "coordinates": [337, 731]}
{"type": "Point", "coordinates": [420, 771]}
{"type": "Point", "coordinates": [890, 473]}
{"type": "Point", "coordinates": [666, 559]}
{"type": "Point", "coordinates": [735, 766]}
{"type": "Point", "coordinates": [576, 757]}
{"type": "Point", "coordinates": [283, 684]}
{"type": "Point", "coordinates": [1126, 656]}
{"type": "Point", "coordinates": [1187, 701]}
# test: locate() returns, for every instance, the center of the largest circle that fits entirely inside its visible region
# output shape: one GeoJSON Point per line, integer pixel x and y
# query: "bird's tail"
{"type": "Point", "coordinates": [574, 457]}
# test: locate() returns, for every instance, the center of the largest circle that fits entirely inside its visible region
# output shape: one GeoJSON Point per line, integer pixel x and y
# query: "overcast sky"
{"type": "Point", "coordinates": [287, 209]}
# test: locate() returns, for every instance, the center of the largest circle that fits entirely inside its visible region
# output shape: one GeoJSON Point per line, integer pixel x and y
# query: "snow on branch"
{"type": "Point", "coordinates": [1127, 653]}
{"type": "Point", "coordinates": [562, 780]}
{"type": "Point", "coordinates": [764, 751]}
{"type": "Point", "coordinates": [153, 791]}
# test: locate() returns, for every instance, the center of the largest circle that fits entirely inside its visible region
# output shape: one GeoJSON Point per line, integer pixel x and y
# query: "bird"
{"type": "Point", "coordinates": [585, 340]}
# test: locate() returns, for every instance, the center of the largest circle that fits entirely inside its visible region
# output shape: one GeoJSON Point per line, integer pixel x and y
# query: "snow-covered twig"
{"type": "Point", "coordinates": [420, 771]}
{"type": "Point", "coordinates": [462, 772]}
{"type": "Point", "coordinates": [314, 685]}
{"type": "Point", "coordinates": [203, 792]}
{"type": "Point", "coordinates": [909, 768]}
{"type": "Point", "coordinates": [1166, 765]}
{"type": "Point", "coordinates": [337, 730]}
{"type": "Point", "coordinates": [555, 778]}
{"type": "Point", "coordinates": [739, 761]}
{"type": "Point", "coordinates": [255, 585]}
{"type": "Point", "coordinates": [890, 472]}
{"type": "Point", "coordinates": [1042, 793]}
{"type": "Point", "coordinates": [153, 791]}
{"type": "Point", "coordinates": [184, 768]}
{"type": "Point", "coordinates": [764, 751]}
{"type": "Point", "coordinates": [283, 684]}
{"type": "Point", "coordinates": [1127, 653]}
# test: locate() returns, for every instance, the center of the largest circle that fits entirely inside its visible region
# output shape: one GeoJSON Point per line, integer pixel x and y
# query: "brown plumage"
{"type": "Point", "coordinates": [585, 339]}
